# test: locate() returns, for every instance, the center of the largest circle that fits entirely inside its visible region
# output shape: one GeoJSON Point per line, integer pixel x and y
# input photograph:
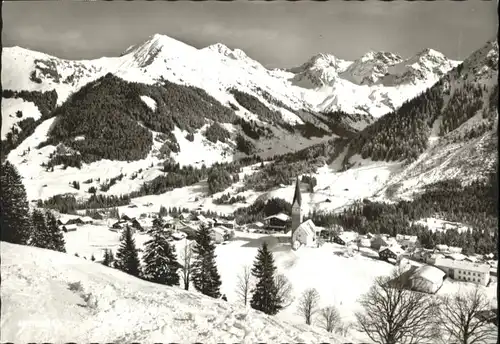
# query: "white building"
{"type": "Point", "coordinates": [427, 279]}
{"type": "Point", "coordinates": [365, 242]}
{"type": "Point", "coordinates": [408, 241]}
{"type": "Point", "coordinates": [344, 238]}
{"type": "Point", "coordinates": [431, 257]}
{"type": "Point", "coordinates": [87, 220]}
{"type": "Point", "coordinates": [217, 234]}
{"type": "Point", "coordinates": [305, 234]}
{"type": "Point", "coordinates": [464, 270]}
{"type": "Point", "coordinates": [382, 240]}
{"type": "Point", "coordinates": [68, 228]}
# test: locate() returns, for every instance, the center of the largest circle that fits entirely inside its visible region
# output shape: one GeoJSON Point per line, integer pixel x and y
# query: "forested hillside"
{"type": "Point", "coordinates": [474, 205]}
{"type": "Point", "coordinates": [44, 101]}
{"type": "Point", "coordinates": [107, 119]}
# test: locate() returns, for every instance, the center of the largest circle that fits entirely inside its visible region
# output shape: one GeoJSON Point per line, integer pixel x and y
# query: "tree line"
{"type": "Point", "coordinates": [18, 224]}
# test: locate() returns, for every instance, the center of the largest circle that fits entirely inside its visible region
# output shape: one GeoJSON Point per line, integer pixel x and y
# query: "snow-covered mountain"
{"type": "Point", "coordinates": [275, 111]}
{"type": "Point", "coordinates": [334, 84]}
{"type": "Point", "coordinates": [46, 293]}
{"type": "Point", "coordinates": [448, 132]}
{"type": "Point", "coordinates": [381, 81]}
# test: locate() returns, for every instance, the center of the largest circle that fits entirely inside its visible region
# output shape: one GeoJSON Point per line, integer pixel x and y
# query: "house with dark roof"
{"type": "Point", "coordinates": [389, 253]}
{"type": "Point", "coordinates": [277, 222]}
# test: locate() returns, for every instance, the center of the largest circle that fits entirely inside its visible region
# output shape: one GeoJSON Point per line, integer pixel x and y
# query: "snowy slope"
{"type": "Point", "coordinates": [468, 149]}
{"type": "Point", "coordinates": [11, 116]}
{"type": "Point", "coordinates": [42, 301]}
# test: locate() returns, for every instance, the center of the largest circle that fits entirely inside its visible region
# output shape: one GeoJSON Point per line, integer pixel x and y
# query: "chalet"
{"type": "Point", "coordinates": [344, 238]}
{"type": "Point", "coordinates": [305, 234]}
{"type": "Point", "coordinates": [382, 240]}
{"type": "Point", "coordinates": [125, 218]}
{"type": "Point", "coordinates": [65, 219]}
{"type": "Point", "coordinates": [427, 279]}
{"type": "Point", "coordinates": [204, 221]}
{"type": "Point", "coordinates": [190, 230]}
{"type": "Point", "coordinates": [225, 223]}
{"type": "Point", "coordinates": [68, 228]}
{"type": "Point", "coordinates": [87, 220]}
{"type": "Point", "coordinates": [119, 224]}
{"type": "Point", "coordinates": [218, 234]}
{"type": "Point", "coordinates": [458, 256]}
{"type": "Point", "coordinates": [430, 257]}
{"type": "Point", "coordinates": [135, 224]}
{"type": "Point", "coordinates": [365, 242]}
{"type": "Point", "coordinates": [277, 222]}
{"type": "Point", "coordinates": [442, 248]}
{"type": "Point", "coordinates": [490, 316]}
{"type": "Point", "coordinates": [453, 249]}
{"type": "Point", "coordinates": [185, 216]}
{"type": "Point", "coordinates": [390, 252]}
{"type": "Point", "coordinates": [168, 223]}
{"type": "Point", "coordinates": [255, 226]}
{"type": "Point", "coordinates": [98, 215]}
{"type": "Point", "coordinates": [407, 241]}
{"type": "Point", "coordinates": [465, 271]}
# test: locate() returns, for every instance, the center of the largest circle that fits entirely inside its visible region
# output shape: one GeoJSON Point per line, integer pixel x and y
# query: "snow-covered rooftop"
{"type": "Point", "coordinates": [430, 273]}
{"type": "Point", "coordinates": [462, 265]}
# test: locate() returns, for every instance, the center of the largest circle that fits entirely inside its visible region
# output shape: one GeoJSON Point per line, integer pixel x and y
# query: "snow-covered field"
{"type": "Point", "coordinates": [53, 297]}
{"type": "Point", "coordinates": [440, 225]}
{"type": "Point", "coordinates": [10, 107]}
{"type": "Point", "coordinates": [339, 280]}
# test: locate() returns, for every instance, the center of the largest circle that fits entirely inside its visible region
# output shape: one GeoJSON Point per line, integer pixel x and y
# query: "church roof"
{"type": "Point", "coordinates": [297, 196]}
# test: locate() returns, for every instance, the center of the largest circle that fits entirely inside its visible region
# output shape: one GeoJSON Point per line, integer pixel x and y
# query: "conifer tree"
{"type": "Point", "coordinates": [41, 236]}
{"type": "Point", "coordinates": [160, 260]}
{"type": "Point", "coordinates": [127, 258]}
{"type": "Point", "coordinates": [15, 220]}
{"type": "Point", "coordinates": [265, 294]}
{"type": "Point", "coordinates": [108, 257]}
{"type": "Point", "coordinates": [56, 236]}
{"type": "Point", "coordinates": [205, 277]}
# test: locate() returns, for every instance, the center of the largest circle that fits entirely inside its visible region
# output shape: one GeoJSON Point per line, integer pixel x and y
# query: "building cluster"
{"type": "Point", "coordinates": [186, 225]}
{"type": "Point", "coordinates": [444, 261]}
{"type": "Point", "coordinates": [69, 223]}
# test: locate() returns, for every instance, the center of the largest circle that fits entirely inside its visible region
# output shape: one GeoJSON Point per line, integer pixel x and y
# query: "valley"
{"type": "Point", "coordinates": [346, 173]}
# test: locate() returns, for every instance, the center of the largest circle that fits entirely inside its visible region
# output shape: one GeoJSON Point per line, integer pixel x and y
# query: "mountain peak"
{"type": "Point", "coordinates": [144, 54]}
{"type": "Point", "coordinates": [382, 56]}
{"type": "Point", "coordinates": [235, 54]}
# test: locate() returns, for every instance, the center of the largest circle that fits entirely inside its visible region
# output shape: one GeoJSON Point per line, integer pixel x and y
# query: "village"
{"type": "Point", "coordinates": [425, 269]}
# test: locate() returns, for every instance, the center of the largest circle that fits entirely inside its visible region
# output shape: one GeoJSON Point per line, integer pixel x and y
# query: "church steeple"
{"type": "Point", "coordinates": [297, 196]}
{"type": "Point", "coordinates": [296, 208]}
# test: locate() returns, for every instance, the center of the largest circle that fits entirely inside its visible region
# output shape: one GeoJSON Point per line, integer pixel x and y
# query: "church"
{"type": "Point", "coordinates": [302, 233]}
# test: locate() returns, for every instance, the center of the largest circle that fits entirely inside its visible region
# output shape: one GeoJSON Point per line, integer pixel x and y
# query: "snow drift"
{"type": "Point", "coordinates": [55, 297]}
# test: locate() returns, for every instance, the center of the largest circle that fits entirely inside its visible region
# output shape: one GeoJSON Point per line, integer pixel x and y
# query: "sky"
{"type": "Point", "coordinates": [277, 34]}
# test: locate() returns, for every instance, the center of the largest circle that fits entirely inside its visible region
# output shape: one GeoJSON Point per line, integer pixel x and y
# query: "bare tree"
{"type": "Point", "coordinates": [333, 231]}
{"type": "Point", "coordinates": [344, 328]}
{"type": "Point", "coordinates": [393, 314]}
{"type": "Point", "coordinates": [284, 290]}
{"type": "Point", "coordinates": [244, 284]}
{"type": "Point", "coordinates": [460, 316]}
{"type": "Point", "coordinates": [308, 304]}
{"type": "Point", "coordinates": [330, 318]}
{"type": "Point", "coordinates": [186, 260]}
